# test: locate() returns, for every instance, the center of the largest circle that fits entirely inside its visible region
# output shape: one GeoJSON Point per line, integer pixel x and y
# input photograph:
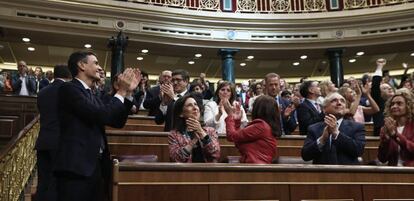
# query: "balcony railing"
{"type": "Point", "coordinates": [271, 6]}
{"type": "Point", "coordinates": [17, 161]}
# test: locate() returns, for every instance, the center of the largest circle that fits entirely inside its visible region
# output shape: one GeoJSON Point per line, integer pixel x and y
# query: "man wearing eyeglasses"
{"type": "Point", "coordinates": [170, 92]}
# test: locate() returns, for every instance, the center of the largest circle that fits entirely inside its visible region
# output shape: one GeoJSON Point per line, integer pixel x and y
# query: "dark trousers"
{"type": "Point", "coordinates": [46, 185]}
{"type": "Point", "coordinates": [72, 187]}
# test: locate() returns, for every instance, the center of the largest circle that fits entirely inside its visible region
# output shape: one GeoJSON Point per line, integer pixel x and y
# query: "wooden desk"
{"type": "Point", "coordinates": [213, 182]}
{"type": "Point", "coordinates": [141, 119]}
{"type": "Point", "coordinates": [144, 142]}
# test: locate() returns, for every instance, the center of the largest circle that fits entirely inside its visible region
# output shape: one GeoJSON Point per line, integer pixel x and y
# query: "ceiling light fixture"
{"type": "Point", "coordinates": [140, 58]}
{"type": "Point", "coordinates": [144, 51]}
{"type": "Point", "coordinates": [360, 53]}
{"type": "Point", "coordinates": [412, 54]}
{"type": "Point", "coordinates": [191, 62]}
{"type": "Point", "coordinates": [88, 46]}
{"type": "Point", "coordinates": [198, 55]}
{"type": "Point", "coordinates": [242, 64]}
{"type": "Point", "coordinates": [250, 57]}
{"type": "Point", "coordinates": [31, 49]}
{"type": "Point", "coordinates": [26, 40]}
{"type": "Point", "coordinates": [303, 57]}
{"type": "Point", "coordinates": [296, 63]}
{"type": "Point", "coordinates": [352, 60]}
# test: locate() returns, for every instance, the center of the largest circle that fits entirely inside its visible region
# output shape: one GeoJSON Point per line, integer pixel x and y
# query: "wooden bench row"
{"type": "Point", "coordinates": [144, 119]}
{"type": "Point", "coordinates": [147, 123]}
{"type": "Point", "coordinates": [214, 182]}
{"type": "Point", "coordinates": [156, 143]}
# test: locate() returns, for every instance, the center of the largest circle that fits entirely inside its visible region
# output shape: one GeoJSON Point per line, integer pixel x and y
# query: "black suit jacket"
{"type": "Point", "coordinates": [152, 101]}
{"type": "Point", "coordinates": [307, 115]}
{"type": "Point", "coordinates": [345, 150]}
{"type": "Point", "coordinates": [289, 124]}
{"type": "Point", "coordinates": [47, 103]}
{"type": "Point", "coordinates": [378, 118]}
{"type": "Point", "coordinates": [82, 122]}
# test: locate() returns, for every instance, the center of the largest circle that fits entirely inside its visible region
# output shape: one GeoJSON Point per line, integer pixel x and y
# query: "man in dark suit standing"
{"type": "Point", "coordinates": [309, 111]}
{"type": "Point", "coordinates": [335, 140]}
{"type": "Point", "coordinates": [82, 165]}
{"type": "Point", "coordinates": [286, 109]}
{"type": "Point", "coordinates": [23, 83]}
{"type": "Point", "coordinates": [47, 142]}
{"type": "Point", "coordinates": [170, 92]}
{"type": "Point", "coordinates": [153, 99]}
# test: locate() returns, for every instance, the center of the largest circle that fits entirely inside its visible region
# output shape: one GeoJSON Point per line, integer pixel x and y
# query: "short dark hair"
{"type": "Point", "coordinates": [178, 121]}
{"type": "Point", "coordinates": [232, 90]}
{"type": "Point", "coordinates": [285, 93]}
{"type": "Point", "coordinates": [144, 74]}
{"type": "Point", "coordinates": [193, 85]}
{"type": "Point", "coordinates": [271, 75]}
{"type": "Point", "coordinates": [266, 109]}
{"type": "Point", "coordinates": [75, 57]}
{"type": "Point", "coordinates": [304, 88]}
{"type": "Point", "coordinates": [61, 71]}
{"type": "Point", "coordinates": [184, 74]}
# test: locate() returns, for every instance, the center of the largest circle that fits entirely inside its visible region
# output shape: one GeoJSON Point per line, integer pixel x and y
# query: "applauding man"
{"type": "Point", "coordinates": [82, 164]}
{"type": "Point", "coordinates": [335, 140]}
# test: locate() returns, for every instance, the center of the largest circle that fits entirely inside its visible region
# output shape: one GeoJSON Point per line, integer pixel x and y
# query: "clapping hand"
{"type": "Point", "coordinates": [193, 125]}
{"type": "Point", "coordinates": [288, 110]}
{"type": "Point", "coordinates": [128, 81]}
{"type": "Point", "coordinates": [167, 92]}
{"type": "Point", "coordinates": [233, 110]}
{"type": "Point", "coordinates": [330, 121]}
{"type": "Point", "coordinates": [390, 127]}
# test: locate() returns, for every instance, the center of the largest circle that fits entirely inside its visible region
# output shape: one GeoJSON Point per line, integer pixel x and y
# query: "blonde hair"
{"type": "Point", "coordinates": [324, 85]}
{"type": "Point", "coordinates": [408, 101]}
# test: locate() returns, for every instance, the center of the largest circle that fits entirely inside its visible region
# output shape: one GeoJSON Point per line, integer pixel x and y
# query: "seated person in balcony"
{"type": "Point", "coordinates": [257, 141]}
{"type": "Point", "coordinates": [397, 135]}
{"type": "Point", "coordinates": [354, 110]}
{"type": "Point", "coordinates": [189, 141]}
{"type": "Point", "coordinates": [214, 113]}
{"type": "Point", "coordinates": [335, 140]}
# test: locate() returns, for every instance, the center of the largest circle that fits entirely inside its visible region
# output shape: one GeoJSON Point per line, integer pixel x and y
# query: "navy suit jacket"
{"type": "Point", "coordinates": [345, 150]}
{"type": "Point", "coordinates": [47, 103]}
{"type": "Point", "coordinates": [152, 101]}
{"type": "Point", "coordinates": [82, 126]}
{"type": "Point", "coordinates": [307, 115]}
{"type": "Point", "coordinates": [289, 124]}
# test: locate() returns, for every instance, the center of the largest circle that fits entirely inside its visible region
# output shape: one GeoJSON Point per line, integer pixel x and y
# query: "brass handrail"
{"type": "Point", "coordinates": [17, 161]}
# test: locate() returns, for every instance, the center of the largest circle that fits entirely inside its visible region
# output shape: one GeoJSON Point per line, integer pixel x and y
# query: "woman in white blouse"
{"type": "Point", "coordinates": [214, 113]}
